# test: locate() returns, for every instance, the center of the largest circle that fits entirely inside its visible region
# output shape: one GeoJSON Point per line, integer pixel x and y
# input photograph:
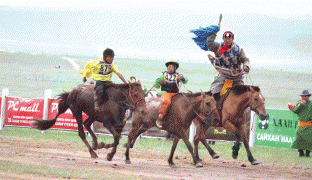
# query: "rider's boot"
{"type": "Point", "coordinates": [159, 121]}
{"type": "Point", "coordinates": [216, 96]}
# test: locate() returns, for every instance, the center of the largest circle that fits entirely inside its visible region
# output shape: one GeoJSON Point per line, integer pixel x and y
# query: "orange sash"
{"type": "Point", "coordinates": [304, 123]}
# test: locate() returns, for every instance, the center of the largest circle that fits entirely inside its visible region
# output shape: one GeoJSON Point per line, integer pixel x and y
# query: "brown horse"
{"type": "Point", "coordinates": [183, 109]}
{"type": "Point", "coordinates": [232, 107]}
{"type": "Point", "coordinates": [120, 98]}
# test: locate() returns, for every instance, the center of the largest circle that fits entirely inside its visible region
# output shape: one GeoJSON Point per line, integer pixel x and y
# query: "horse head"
{"type": "Point", "coordinates": [209, 107]}
{"type": "Point", "coordinates": [137, 97]}
{"type": "Point", "coordinates": [256, 103]}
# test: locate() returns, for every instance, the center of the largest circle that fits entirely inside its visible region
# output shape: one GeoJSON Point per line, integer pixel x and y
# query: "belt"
{"type": "Point", "coordinates": [305, 123]}
{"type": "Point", "coordinates": [229, 75]}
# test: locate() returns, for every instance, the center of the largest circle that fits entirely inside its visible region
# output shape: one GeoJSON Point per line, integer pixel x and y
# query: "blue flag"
{"type": "Point", "coordinates": [202, 34]}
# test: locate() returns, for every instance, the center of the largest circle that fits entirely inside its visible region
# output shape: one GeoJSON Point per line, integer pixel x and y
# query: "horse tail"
{"type": "Point", "coordinates": [62, 107]}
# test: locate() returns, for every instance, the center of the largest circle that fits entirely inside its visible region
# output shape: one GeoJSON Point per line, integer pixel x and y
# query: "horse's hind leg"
{"type": "Point", "coordinates": [87, 123]}
{"type": "Point", "coordinates": [82, 135]}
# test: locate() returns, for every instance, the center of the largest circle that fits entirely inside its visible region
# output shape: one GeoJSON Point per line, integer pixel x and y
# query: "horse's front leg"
{"type": "Point", "coordinates": [190, 148]}
{"type": "Point", "coordinates": [230, 127]}
{"type": "Point", "coordinates": [201, 136]}
{"type": "Point", "coordinates": [243, 134]}
{"type": "Point", "coordinates": [117, 135]}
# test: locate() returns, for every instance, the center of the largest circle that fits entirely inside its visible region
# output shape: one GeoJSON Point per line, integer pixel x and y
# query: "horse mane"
{"type": "Point", "coordinates": [123, 86]}
{"type": "Point", "coordinates": [240, 89]}
{"type": "Point", "coordinates": [190, 94]}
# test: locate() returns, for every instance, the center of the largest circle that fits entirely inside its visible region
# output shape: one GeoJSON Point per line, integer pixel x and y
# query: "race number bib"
{"type": "Point", "coordinates": [171, 78]}
{"type": "Point", "coordinates": [105, 68]}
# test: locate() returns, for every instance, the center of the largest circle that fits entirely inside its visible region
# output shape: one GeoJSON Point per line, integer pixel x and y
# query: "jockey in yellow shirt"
{"type": "Point", "coordinates": [102, 71]}
{"type": "Point", "coordinates": [168, 82]}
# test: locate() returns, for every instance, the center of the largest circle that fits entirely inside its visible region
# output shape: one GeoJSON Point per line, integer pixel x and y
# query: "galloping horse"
{"type": "Point", "coordinates": [183, 109]}
{"type": "Point", "coordinates": [232, 107]}
{"type": "Point", "coordinates": [120, 98]}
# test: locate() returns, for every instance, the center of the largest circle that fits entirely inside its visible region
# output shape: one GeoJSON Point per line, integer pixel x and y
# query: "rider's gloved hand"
{"type": "Point", "coordinates": [84, 79]}
{"type": "Point", "coordinates": [246, 68]}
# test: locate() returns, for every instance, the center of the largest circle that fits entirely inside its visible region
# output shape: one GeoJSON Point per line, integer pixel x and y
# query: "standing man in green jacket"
{"type": "Point", "coordinates": [303, 139]}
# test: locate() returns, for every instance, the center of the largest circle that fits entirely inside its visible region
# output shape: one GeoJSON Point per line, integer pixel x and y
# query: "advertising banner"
{"type": "Point", "coordinates": [65, 120]}
{"type": "Point", "coordinates": [279, 131]}
{"type": "Point", "coordinates": [21, 111]}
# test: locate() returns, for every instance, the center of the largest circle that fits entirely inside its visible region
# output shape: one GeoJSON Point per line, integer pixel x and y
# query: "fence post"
{"type": "Point", "coordinates": [47, 96]}
{"type": "Point", "coordinates": [252, 132]}
{"type": "Point", "coordinates": [192, 133]}
{"type": "Point", "coordinates": [5, 93]}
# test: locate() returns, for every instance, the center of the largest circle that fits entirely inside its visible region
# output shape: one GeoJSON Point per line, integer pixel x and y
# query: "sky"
{"type": "Point", "coordinates": [157, 29]}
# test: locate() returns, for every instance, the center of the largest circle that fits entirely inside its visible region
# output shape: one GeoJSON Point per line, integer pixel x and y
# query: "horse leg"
{"type": "Point", "coordinates": [229, 126]}
{"type": "Point", "coordinates": [174, 146]}
{"type": "Point", "coordinates": [190, 148]}
{"type": "Point", "coordinates": [131, 139]}
{"type": "Point", "coordinates": [117, 136]}
{"type": "Point", "coordinates": [200, 136]}
{"type": "Point", "coordinates": [196, 142]}
{"type": "Point", "coordinates": [78, 117]}
{"type": "Point", "coordinates": [135, 133]}
{"type": "Point", "coordinates": [246, 144]}
{"type": "Point", "coordinates": [87, 123]}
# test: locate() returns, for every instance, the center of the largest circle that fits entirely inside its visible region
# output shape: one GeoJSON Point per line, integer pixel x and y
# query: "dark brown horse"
{"type": "Point", "coordinates": [183, 109]}
{"type": "Point", "coordinates": [233, 105]}
{"type": "Point", "coordinates": [120, 98]}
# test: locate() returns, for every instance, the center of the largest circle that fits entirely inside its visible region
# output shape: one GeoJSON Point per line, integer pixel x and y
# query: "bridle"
{"type": "Point", "coordinates": [199, 115]}
{"type": "Point", "coordinates": [132, 103]}
{"type": "Point", "coordinates": [255, 108]}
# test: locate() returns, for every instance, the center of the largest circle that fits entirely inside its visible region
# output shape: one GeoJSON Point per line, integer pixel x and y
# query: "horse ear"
{"type": "Point", "coordinates": [202, 92]}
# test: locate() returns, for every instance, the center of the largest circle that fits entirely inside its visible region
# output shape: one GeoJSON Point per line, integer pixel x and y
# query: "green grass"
{"type": "Point", "coordinates": [282, 157]}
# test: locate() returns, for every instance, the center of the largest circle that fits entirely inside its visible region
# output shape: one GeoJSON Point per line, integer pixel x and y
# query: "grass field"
{"type": "Point", "coordinates": [28, 75]}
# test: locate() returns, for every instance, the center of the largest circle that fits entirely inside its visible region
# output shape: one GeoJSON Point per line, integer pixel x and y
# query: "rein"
{"type": "Point", "coordinates": [132, 105]}
{"type": "Point", "coordinates": [255, 109]}
{"type": "Point", "coordinates": [200, 116]}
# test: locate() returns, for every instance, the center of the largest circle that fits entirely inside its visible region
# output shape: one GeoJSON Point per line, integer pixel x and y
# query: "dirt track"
{"type": "Point", "coordinates": [147, 165]}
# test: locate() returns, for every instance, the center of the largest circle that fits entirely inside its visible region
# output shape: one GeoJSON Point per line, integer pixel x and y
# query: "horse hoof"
{"type": "Point", "coordinates": [215, 156]}
{"type": "Point", "coordinates": [101, 145]}
{"type": "Point", "coordinates": [199, 160]}
{"type": "Point", "coordinates": [255, 162]}
{"type": "Point", "coordinates": [109, 157]}
{"type": "Point", "coordinates": [173, 166]}
{"type": "Point", "coordinates": [95, 146]}
{"type": "Point", "coordinates": [198, 165]}
{"type": "Point", "coordinates": [128, 162]}
{"type": "Point", "coordinates": [234, 156]}
{"type": "Point", "coordinates": [94, 155]}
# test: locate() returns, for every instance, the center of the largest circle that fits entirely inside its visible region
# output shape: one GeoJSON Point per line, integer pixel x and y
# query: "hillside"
{"type": "Point", "coordinates": [28, 75]}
